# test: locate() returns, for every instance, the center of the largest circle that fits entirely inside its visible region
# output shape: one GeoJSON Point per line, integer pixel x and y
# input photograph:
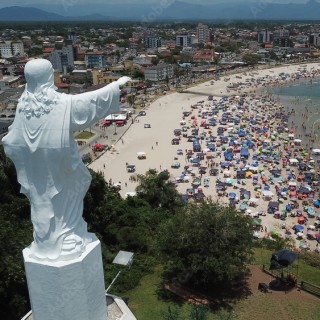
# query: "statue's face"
{"type": "Point", "coordinates": [38, 72]}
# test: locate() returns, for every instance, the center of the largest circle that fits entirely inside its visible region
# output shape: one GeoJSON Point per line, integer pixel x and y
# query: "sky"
{"type": "Point", "coordinates": [7, 3]}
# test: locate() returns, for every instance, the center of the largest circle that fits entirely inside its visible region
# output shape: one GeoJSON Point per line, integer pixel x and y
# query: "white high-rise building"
{"type": "Point", "coordinates": [10, 49]}
{"type": "Point", "coordinates": [203, 33]}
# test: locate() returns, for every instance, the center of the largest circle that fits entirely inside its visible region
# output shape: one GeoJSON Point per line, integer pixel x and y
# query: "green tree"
{"type": "Point", "coordinates": [15, 235]}
{"type": "Point", "coordinates": [172, 314]}
{"type": "Point", "coordinates": [157, 190]}
{"type": "Point", "coordinates": [131, 100]}
{"type": "Point", "coordinates": [251, 59]}
{"type": "Point", "coordinates": [216, 60]}
{"type": "Point", "coordinates": [155, 60]}
{"type": "Point", "coordinates": [176, 51]}
{"type": "Point", "coordinates": [121, 224]}
{"type": "Point", "coordinates": [167, 81]}
{"type": "Point", "coordinates": [137, 74]}
{"type": "Point", "coordinates": [199, 313]}
{"type": "Point", "coordinates": [35, 51]}
{"type": "Point", "coordinates": [205, 245]}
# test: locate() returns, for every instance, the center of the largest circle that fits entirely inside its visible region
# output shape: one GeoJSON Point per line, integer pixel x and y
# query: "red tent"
{"type": "Point", "coordinates": [120, 122]}
{"type": "Point", "coordinates": [98, 146]}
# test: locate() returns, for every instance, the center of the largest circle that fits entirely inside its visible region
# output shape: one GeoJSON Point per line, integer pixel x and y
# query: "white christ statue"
{"type": "Point", "coordinates": [41, 144]}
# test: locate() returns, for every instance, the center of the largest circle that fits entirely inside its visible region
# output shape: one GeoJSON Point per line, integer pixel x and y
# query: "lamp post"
{"type": "Point", "coordinates": [115, 126]}
{"type": "Point", "coordinates": [123, 258]}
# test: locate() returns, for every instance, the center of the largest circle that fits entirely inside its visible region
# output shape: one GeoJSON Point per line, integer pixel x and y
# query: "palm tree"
{"type": "Point", "coordinates": [167, 80]}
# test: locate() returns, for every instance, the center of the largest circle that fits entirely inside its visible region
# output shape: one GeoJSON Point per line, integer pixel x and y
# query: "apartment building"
{"type": "Point", "coordinates": [203, 33]}
{"type": "Point", "coordinates": [10, 49]}
{"type": "Point", "coordinates": [159, 72]}
{"type": "Point", "coordinates": [95, 59]}
{"type": "Point", "coordinates": [63, 58]}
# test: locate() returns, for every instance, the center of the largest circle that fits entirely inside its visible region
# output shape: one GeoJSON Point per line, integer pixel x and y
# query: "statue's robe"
{"type": "Point", "coordinates": [51, 172]}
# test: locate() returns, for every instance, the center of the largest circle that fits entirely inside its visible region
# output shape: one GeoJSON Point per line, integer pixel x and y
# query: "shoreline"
{"type": "Point", "coordinates": [164, 115]}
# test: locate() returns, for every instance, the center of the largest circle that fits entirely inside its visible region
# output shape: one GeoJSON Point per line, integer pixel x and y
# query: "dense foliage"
{"type": "Point", "coordinates": [120, 225]}
{"type": "Point", "coordinates": [205, 245]}
{"type": "Point", "coordinates": [157, 190]}
{"type": "Point", "coordinates": [15, 235]}
{"type": "Point", "coordinates": [310, 258]}
{"type": "Point", "coordinates": [251, 59]}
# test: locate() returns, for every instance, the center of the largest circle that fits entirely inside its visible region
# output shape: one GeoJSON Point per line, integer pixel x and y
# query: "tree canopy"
{"type": "Point", "coordinates": [207, 244]}
{"type": "Point", "coordinates": [157, 190]}
{"type": "Point", "coordinates": [15, 235]}
{"type": "Point", "coordinates": [251, 59]}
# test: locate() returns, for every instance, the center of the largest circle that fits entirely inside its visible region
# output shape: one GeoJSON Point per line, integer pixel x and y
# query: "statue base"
{"type": "Point", "coordinates": [67, 290]}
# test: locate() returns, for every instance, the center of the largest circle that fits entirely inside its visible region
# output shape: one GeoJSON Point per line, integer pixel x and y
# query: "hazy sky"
{"type": "Point", "coordinates": [6, 3]}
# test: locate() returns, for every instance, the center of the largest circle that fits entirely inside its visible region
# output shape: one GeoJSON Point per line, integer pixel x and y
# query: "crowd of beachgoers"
{"type": "Point", "coordinates": [233, 141]}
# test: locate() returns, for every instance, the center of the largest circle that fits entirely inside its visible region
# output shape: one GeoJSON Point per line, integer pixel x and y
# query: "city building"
{"type": "Point", "coordinates": [204, 55]}
{"type": "Point", "coordinates": [10, 49]}
{"type": "Point", "coordinates": [62, 59]}
{"type": "Point", "coordinates": [9, 82]}
{"type": "Point", "coordinates": [203, 33]}
{"type": "Point", "coordinates": [265, 36]}
{"type": "Point", "coordinates": [314, 39]}
{"type": "Point", "coordinates": [281, 37]}
{"type": "Point", "coordinates": [73, 37]}
{"type": "Point", "coordinates": [184, 40]}
{"type": "Point", "coordinates": [10, 96]}
{"type": "Point", "coordinates": [100, 77]}
{"type": "Point", "coordinates": [95, 59]}
{"type": "Point", "coordinates": [152, 42]}
{"type": "Point", "coordinates": [159, 72]}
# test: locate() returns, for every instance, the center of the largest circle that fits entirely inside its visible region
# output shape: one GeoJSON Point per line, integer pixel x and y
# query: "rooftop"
{"type": "Point", "coordinates": [94, 53]}
{"type": "Point", "coordinates": [159, 66]}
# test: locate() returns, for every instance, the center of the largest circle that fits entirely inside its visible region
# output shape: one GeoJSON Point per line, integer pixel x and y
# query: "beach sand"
{"type": "Point", "coordinates": [164, 115]}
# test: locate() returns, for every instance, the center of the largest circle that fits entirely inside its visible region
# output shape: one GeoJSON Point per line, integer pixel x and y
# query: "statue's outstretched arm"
{"type": "Point", "coordinates": [89, 107]}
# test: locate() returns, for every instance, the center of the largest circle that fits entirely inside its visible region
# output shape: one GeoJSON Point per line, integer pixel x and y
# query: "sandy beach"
{"type": "Point", "coordinates": [166, 114]}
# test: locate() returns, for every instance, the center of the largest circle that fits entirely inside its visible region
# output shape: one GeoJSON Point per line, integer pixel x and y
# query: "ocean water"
{"type": "Point", "coordinates": [304, 97]}
{"type": "Point", "coordinates": [302, 89]}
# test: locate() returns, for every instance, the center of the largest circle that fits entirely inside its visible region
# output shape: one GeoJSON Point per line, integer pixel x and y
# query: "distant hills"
{"type": "Point", "coordinates": [174, 10]}
{"type": "Point", "coordinates": [34, 14]}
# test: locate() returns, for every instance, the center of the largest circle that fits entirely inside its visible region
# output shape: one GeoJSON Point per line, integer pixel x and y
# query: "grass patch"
{"type": "Point", "coordinates": [84, 135]}
{"type": "Point", "coordinates": [145, 303]}
{"type": "Point", "coordinates": [305, 271]}
{"type": "Point", "coordinates": [273, 306]}
{"type": "Point", "coordinates": [148, 301]}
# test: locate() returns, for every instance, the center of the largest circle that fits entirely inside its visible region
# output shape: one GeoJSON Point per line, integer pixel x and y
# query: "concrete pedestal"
{"type": "Point", "coordinates": [67, 290]}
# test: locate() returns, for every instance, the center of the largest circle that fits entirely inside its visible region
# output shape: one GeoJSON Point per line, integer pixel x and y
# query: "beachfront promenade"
{"type": "Point", "coordinates": [166, 114]}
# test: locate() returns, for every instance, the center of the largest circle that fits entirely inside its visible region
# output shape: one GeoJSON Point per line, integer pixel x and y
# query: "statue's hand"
{"type": "Point", "coordinates": [123, 80]}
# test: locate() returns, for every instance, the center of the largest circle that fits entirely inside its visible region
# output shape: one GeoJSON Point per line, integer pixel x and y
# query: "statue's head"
{"type": "Point", "coordinates": [39, 74]}
{"type": "Point", "coordinates": [39, 95]}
